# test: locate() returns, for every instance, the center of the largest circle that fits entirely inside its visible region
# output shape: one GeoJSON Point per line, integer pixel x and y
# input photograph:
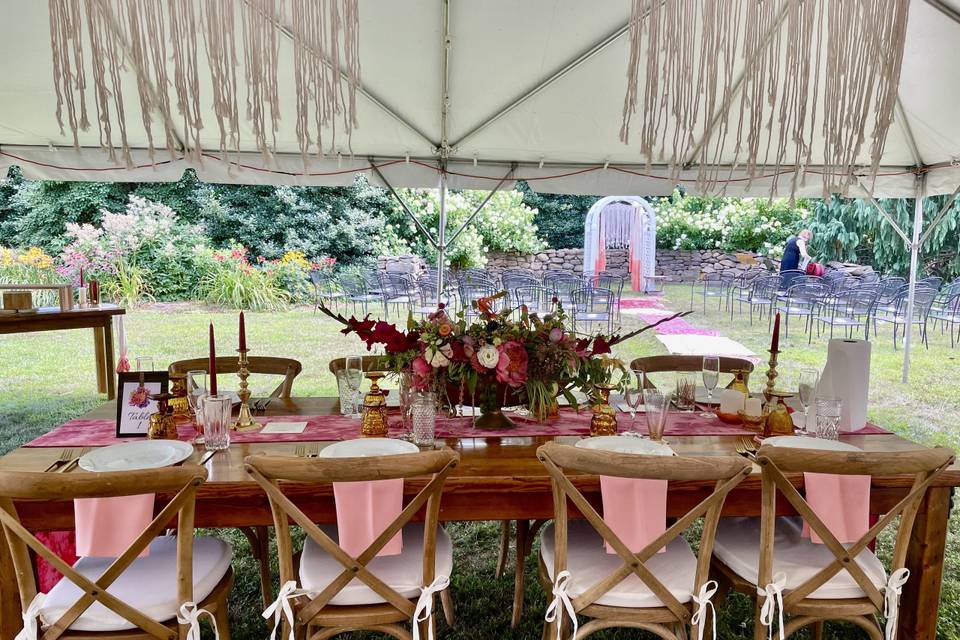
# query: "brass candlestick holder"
{"type": "Point", "coordinates": [373, 423]}
{"type": "Point", "coordinates": [771, 374]}
{"type": "Point", "coordinates": [245, 421]}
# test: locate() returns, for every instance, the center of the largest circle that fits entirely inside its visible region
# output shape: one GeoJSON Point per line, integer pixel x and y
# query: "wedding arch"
{"type": "Point", "coordinates": [622, 222]}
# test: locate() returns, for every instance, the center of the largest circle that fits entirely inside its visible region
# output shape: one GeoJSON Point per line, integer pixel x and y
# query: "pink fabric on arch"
{"type": "Point", "coordinates": [107, 526]}
{"type": "Point", "coordinates": [635, 509]}
{"type": "Point", "coordinates": [364, 511]}
{"type": "Point", "coordinates": [841, 502]}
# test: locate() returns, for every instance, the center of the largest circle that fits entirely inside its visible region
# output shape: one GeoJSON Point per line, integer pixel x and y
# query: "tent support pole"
{"type": "Point", "coordinates": [914, 260]}
{"type": "Point", "coordinates": [473, 215]}
{"type": "Point", "coordinates": [393, 192]}
{"type": "Point", "coordinates": [442, 227]}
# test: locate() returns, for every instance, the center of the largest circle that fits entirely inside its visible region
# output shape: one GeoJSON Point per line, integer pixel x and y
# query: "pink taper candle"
{"type": "Point", "coordinates": [213, 364]}
{"type": "Point", "coordinates": [775, 343]}
{"type": "Point", "coordinates": [243, 334]}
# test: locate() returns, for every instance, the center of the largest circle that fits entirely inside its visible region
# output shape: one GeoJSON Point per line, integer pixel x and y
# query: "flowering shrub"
{"type": "Point", "coordinates": [728, 224]}
{"type": "Point", "coordinates": [229, 279]}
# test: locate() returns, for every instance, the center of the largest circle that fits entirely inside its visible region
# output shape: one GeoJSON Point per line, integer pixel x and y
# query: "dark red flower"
{"type": "Point", "coordinates": [362, 328]}
{"type": "Point", "coordinates": [400, 342]}
{"type": "Point", "coordinates": [458, 353]}
{"type": "Point", "coordinates": [600, 346]}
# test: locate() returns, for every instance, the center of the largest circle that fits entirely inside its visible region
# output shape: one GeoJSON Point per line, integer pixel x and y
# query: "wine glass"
{"type": "Point", "coordinates": [354, 377]}
{"type": "Point", "coordinates": [633, 395]}
{"type": "Point", "coordinates": [807, 388]}
{"type": "Point", "coordinates": [196, 389]}
{"type": "Point", "coordinates": [711, 376]}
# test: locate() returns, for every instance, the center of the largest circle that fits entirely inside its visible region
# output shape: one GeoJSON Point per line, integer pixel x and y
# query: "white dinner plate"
{"type": "Point", "coordinates": [625, 444]}
{"type": "Point", "coordinates": [141, 454]}
{"type": "Point", "coordinates": [800, 442]}
{"type": "Point", "coordinates": [368, 447]}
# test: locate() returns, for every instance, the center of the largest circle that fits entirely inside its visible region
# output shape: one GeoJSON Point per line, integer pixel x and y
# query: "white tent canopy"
{"type": "Point", "coordinates": [539, 83]}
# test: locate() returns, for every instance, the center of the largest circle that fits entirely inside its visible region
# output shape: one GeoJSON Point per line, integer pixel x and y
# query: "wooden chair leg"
{"type": "Point", "coordinates": [259, 539]}
{"type": "Point", "coordinates": [221, 615]}
{"type": "Point", "coordinates": [818, 631]}
{"type": "Point", "coordinates": [504, 548]}
{"type": "Point", "coordinates": [523, 528]}
{"type": "Point", "coordinates": [449, 613]}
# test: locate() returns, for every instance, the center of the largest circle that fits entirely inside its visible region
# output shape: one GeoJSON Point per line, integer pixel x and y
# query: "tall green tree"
{"type": "Point", "coordinates": [560, 218]}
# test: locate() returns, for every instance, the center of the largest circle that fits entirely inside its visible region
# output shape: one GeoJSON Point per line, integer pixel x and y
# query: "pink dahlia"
{"type": "Point", "coordinates": [512, 366]}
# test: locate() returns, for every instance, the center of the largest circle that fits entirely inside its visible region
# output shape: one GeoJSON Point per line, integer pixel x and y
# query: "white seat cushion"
{"type": "Point", "coordinates": [588, 562]}
{"type": "Point", "coordinates": [149, 584]}
{"type": "Point", "coordinates": [403, 572]}
{"type": "Point", "coordinates": [737, 546]}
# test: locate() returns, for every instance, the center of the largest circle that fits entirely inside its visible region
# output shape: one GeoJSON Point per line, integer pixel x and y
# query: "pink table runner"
{"type": "Point", "coordinates": [102, 432]}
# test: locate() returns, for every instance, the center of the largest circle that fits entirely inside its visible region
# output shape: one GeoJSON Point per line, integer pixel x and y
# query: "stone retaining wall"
{"type": "Point", "coordinates": [677, 266]}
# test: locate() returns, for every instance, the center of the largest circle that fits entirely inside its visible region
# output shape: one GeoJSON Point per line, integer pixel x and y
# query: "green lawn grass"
{"type": "Point", "coordinates": [48, 378]}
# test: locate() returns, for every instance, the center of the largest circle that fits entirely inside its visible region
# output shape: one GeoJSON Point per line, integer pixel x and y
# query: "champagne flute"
{"type": "Point", "coordinates": [807, 388]}
{"type": "Point", "coordinates": [633, 395]}
{"type": "Point", "coordinates": [196, 389]}
{"type": "Point", "coordinates": [711, 376]}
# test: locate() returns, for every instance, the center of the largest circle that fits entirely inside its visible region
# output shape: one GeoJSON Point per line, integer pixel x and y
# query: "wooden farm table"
{"type": "Point", "coordinates": [501, 479]}
{"type": "Point", "coordinates": [100, 319]}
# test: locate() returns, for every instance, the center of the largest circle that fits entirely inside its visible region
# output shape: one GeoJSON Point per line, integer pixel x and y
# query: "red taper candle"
{"type": "Point", "coordinates": [213, 363]}
{"type": "Point", "coordinates": [82, 283]}
{"type": "Point", "coordinates": [243, 333]}
{"type": "Point", "coordinates": [775, 343]}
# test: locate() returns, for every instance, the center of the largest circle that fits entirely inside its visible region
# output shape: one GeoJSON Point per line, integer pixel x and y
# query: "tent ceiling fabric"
{"type": "Point", "coordinates": [564, 135]}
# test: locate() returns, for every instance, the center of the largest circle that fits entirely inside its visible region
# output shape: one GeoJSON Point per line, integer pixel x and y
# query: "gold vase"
{"type": "Point", "coordinates": [778, 420]}
{"type": "Point", "coordinates": [162, 425]}
{"type": "Point", "coordinates": [740, 381]}
{"type": "Point", "coordinates": [374, 424]}
{"type": "Point", "coordinates": [604, 420]}
{"type": "Point", "coordinates": [178, 400]}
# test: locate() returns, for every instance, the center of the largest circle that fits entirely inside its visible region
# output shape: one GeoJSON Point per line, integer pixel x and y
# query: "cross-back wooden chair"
{"type": "Point", "coordinates": [835, 581]}
{"type": "Point", "coordinates": [86, 603]}
{"type": "Point", "coordinates": [384, 604]}
{"type": "Point", "coordinates": [650, 604]}
{"type": "Point", "coordinates": [667, 363]}
{"type": "Point", "coordinates": [259, 365]}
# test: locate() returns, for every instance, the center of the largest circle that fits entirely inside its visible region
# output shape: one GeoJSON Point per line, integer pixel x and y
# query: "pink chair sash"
{"type": "Point", "coordinates": [364, 510]}
{"type": "Point", "coordinates": [635, 509]}
{"type": "Point", "coordinates": [107, 526]}
{"type": "Point", "coordinates": [841, 502]}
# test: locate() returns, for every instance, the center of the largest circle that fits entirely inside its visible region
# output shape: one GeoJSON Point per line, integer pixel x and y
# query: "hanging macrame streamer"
{"type": "Point", "coordinates": [101, 41]}
{"type": "Point", "coordinates": [719, 74]}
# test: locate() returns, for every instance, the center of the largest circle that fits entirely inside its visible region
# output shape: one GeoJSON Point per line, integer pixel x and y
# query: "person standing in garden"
{"type": "Point", "coordinates": [795, 256]}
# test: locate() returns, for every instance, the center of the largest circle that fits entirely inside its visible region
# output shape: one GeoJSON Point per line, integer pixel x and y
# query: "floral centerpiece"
{"type": "Point", "coordinates": [492, 358]}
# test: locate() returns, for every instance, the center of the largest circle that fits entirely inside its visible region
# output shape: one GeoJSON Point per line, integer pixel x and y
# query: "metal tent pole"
{"type": "Point", "coordinates": [914, 260]}
{"type": "Point", "coordinates": [442, 232]}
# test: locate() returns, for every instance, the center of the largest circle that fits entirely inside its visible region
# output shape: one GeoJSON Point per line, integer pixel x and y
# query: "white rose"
{"type": "Point", "coordinates": [439, 358]}
{"type": "Point", "coordinates": [488, 356]}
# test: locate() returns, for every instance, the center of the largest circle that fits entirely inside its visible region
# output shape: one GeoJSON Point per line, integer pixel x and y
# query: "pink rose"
{"type": "Point", "coordinates": [512, 366]}
{"type": "Point", "coordinates": [421, 367]}
{"type": "Point", "coordinates": [556, 334]}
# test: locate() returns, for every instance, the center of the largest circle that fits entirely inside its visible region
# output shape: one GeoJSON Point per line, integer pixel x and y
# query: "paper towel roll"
{"type": "Point", "coordinates": [847, 377]}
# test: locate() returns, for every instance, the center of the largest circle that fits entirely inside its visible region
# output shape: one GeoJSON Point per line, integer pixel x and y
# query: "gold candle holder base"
{"type": "Point", "coordinates": [245, 421]}
{"type": "Point", "coordinates": [771, 374]}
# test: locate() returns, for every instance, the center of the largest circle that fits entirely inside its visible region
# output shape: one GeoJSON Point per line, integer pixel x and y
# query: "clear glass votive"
{"type": "Point", "coordinates": [217, 420]}
{"type": "Point", "coordinates": [829, 411]}
{"type": "Point", "coordinates": [423, 413]}
{"type": "Point", "coordinates": [686, 392]}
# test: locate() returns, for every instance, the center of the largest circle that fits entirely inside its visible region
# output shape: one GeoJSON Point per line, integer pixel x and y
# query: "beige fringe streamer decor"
{"type": "Point", "coordinates": [764, 79]}
{"type": "Point", "coordinates": [100, 42]}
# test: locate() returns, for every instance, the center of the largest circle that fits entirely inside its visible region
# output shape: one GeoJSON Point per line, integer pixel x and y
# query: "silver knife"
{"type": "Point", "coordinates": [207, 456]}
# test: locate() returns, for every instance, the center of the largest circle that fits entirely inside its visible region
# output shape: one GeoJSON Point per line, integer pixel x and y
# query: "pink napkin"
{"type": "Point", "coordinates": [636, 510]}
{"type": "Point", "coordinates": [106, 527]}
{"type": "Point", "coordinates": [841, 502]}
{"type": "Point", "coordinates": [364, 510]}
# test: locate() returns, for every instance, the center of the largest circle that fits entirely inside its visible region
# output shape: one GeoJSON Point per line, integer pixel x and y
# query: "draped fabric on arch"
{"type": "Point", "coordinates": [621, 222]}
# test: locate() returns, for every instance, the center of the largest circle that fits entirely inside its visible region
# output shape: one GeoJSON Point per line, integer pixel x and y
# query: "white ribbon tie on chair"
{"type": "Point", "coordinates": [561, 602]}
{"type": "Point", "coordinates": [703, 602]}
{"type": "Point", "coordinates": [773, 602]}
{"type": "Point", "coordinates": [190, 614]}
{"type": "Point", "coordinates": [891, 601]}
{"type": "Point", "coordinates": [424, 608]}
{"type": "Point", "coordinates": [281, 607]}
{"type": "Point", "coordinates": [30, 629]}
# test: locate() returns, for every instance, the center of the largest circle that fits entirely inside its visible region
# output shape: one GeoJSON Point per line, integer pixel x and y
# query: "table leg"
{"type": "Point", "coordinates": [100, 358]}
{"type": "Point", "coordinates": [110, 359]}
{"type": "Point", "coordinates": [523, 528]}
{"type": "Point", "coordinates": [10, 622]}
{"type": "Point", "coordinates": [921, 599]}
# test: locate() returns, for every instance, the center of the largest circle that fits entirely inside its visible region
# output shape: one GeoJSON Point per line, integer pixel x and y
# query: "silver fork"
{"type": "Point", "coordinates": [300, 451]}
{"type": "Point", "coordinates": [65, 456]}
{"type": "Point", "coordinates": [314, 450]}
